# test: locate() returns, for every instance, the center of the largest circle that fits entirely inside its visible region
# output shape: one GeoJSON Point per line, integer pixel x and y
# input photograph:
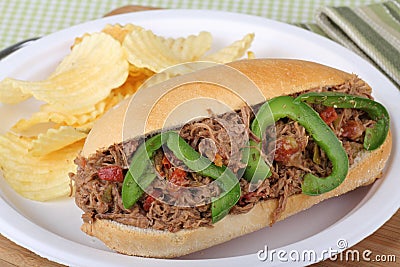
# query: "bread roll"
{"type": "Point", "coordinates": [274, 77]}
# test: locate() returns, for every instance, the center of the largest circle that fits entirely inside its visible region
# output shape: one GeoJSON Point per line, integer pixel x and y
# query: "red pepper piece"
{"type": "Point", "coordinates": [352, 130]}
{"type": "Point", "coordinates": [165, 162]}
{"type": "Point", "coordinates": [178, 177]}
{"type": "Point", "coordinates": [150, 199]}
{"type": "Point", "coordinates": [285, 148]}
{"type": "Point", "coordinates": [111, 173]}
{"type": "Point", "coordinates": [147, 203]}
{"type": "Point", "coordinates": [328, 115]}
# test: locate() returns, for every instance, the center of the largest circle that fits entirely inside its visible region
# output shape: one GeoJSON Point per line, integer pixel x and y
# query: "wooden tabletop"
{"type": "Point", "coordinates": [383, 244]}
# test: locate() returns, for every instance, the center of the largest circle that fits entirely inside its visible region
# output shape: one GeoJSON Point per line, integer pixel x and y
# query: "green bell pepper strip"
{"type": "Point", "coordinates": [285, 106]}
{"type": "Point", "coordinates": [257, 169]}
{"type": "Point", "coordinates": [374, 136]}
{"type": "Point", "coordinates": [141, 168]}
{"type": "Point", "coordinates": [225, 178]}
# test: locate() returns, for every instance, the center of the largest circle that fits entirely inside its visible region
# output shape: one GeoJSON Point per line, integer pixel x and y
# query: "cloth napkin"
{"type": "Point", "coordinates": [372, 31]}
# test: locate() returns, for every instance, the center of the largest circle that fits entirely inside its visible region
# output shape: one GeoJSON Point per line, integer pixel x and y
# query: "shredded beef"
{"type": "Point", "coordinates": [353, 86]}
{"type": "Point", "coordinates": [220, 139]}
{"type": "Point", "coordinates": [286, 176]}
{"type": "Point", "coordinates": [224, 135]}
{"type": "Point", "coordinates": [177, 207]}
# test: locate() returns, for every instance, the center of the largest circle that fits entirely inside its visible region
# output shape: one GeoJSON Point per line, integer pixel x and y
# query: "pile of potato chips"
{"type": "Point", "coordinates": [102, 69]}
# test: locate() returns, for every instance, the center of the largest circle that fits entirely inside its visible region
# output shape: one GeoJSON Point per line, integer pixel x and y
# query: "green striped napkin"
{"type": "Point", "coordinates": [373, 31]}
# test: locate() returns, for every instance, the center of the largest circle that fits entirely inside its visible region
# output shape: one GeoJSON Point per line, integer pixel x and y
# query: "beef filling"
{"type": "Point", "coordinates": [219, 138]}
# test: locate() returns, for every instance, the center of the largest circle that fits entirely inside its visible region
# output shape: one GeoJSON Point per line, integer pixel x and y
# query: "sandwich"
{"type": "Point", "coordinates": [169, 189]}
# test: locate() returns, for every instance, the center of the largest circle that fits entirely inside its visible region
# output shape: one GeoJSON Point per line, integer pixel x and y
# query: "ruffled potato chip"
{"type": "Point", "coordinates": [45, 194]}
{"type": "Point", "coordinates": [119, 32]}
{"type": "Point", "coordinates": [79, 40]}
{"type": "Point", "coordinates": [82, 121]}
{"type": "Point", "coordinates": [156, 53]}
{"type": "Point", "coordinates": [85, 77]}
{"type": "Point", "coordinates": [37, 178]}
{"type": "Point", "coordinates": [142, 72]}
{"type": "Point", "coordinates": [55, 139]}
{"type": "Point", "coordinates": [232, 52]}
{"type": "Point", "coordinates": [9, 94]}
{"type": "Point", "coordinates": [45, 115]}
{"type": "Point", "coordinates": [251, 55]}
{"type": "Point", "coordinates": [24, 126]}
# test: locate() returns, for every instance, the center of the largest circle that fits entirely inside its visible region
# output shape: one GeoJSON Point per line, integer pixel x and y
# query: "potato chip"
{"type": "Point", "coordinates": [46, 115]}
{"type": "Point", "coordinates": [79, 40]}
{"type": "Point", "coordinates": [147, 50]}
{"type": "Point", "coordinates": [190, 48]}
{"type": "Point", "coordinates": [232, 52]}
{"type": "Point", "coordinates": [37, 118]}
{"type": "Point", "coordinates": [251, 55]}
{"type": "Point", "coordinates": [85, 77]}
{"type": "Point", "coordinates": [37, 178]}
{"type": "Point", "coordinates": [177, 70]}
{"type": "Point", "coordinates": [136, 71]}
{"type": "Point", "coordinates": [83, 121]}
{"type": "Point", "coordinates": [9, 94]}
{"type": "Point", "coordinates": [80, 121]}
{"type": "Point", "coordinates": [24, 126]}
{"type": "Point", "coordinates": [48, 193]}
{"type": "Point", "coordinates": [119, 32]}
{"type": "Point", "coordinates": [55, 139]}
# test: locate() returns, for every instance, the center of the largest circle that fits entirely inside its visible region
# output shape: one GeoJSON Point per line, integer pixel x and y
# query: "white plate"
{"type": "Point", "coordinates": [52, 229]}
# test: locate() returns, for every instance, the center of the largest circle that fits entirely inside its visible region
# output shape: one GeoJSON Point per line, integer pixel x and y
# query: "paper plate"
{"type": "Point", "coordinates": [52, 229]}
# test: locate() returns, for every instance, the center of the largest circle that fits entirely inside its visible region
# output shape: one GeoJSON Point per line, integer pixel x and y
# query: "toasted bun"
{"type": "Point", "coordinates": [274, 77]}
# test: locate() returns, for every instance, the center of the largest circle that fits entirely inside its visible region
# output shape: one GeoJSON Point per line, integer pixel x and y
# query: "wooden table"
{"type": "Point", "coordinates": [385, 241]}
